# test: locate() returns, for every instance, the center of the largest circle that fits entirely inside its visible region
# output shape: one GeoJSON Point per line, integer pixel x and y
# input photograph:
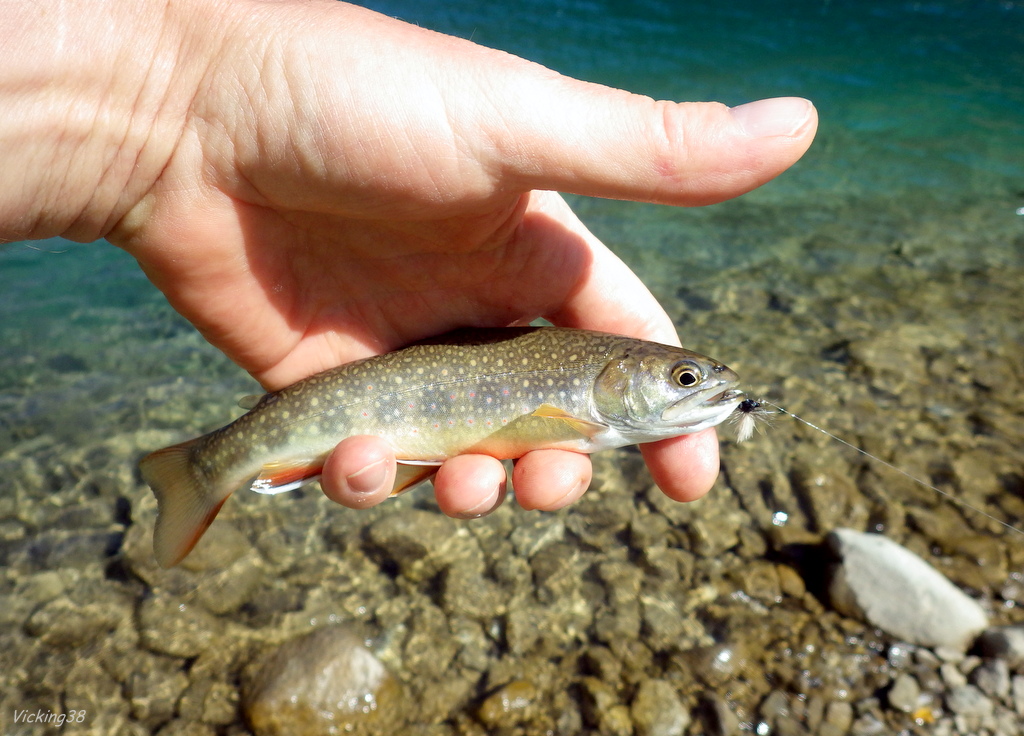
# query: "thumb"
{"type": "Point", "coordinates": [433, 119]}
{"type": "Point", "coordinates": [553, 132]}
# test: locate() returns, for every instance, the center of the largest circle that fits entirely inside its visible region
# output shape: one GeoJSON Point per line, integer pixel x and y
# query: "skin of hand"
{"type": "Point", "coordinates": [311, 182]}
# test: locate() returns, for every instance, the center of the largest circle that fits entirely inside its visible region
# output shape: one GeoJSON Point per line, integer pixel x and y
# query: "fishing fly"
{"type": "Point", "coordinates": [750, 412]}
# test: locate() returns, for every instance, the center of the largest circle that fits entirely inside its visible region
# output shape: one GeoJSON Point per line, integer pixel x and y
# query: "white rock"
{"type": "Point", "coordinates": [890, 587]}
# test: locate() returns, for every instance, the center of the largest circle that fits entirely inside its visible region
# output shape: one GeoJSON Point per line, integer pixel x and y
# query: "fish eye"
{"type": "Point", "coordinates": [687, 374]}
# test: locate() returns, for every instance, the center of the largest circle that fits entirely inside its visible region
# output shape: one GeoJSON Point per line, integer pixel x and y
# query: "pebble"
{"type": "Point", "coordinates": [209, 702]}
{"type": "Point", "coordinates": [869, 724]}
{"type": "Point", "coordinates": [508, 706]}
{"type": "Point", "coordinates": [992, 678]}
{"type": "Point", "coordinates": [179, 727]}
{"type": "Point", "coordinates": [904, 693]}
{"type": "Point", "coordinates": [661, 621]}
{"type": "Point", "coordinates": [775, 706]}
{"type": "Point", "coordinates": [760, 580]}
{"type": "Point", "coordinates": [890, 587]}
{"type": "Point", "coordinates": [1017, 694]}
{"type": "Point", "coordinates": [89, 687]}
{"type": "Point", "coordinates": [65, 624]}
{"type": "Point", "coordinates": [886, 359]}
{"type": "Point", "coordinates": [220, 546]}
{"type": "Point", "coordinates": [714, 665]}
{"type": "Point", "coordinates": [531, 537]}
{"type": "Point", "coordinates": [169, 626]}
{"type": "Point", "coordinates": [821, 477]}
{"type": "Point", "coordinates": [951, 675]}
{"type": "Point", "coordinates": [656, 710]}
{"type": "Point", "coordinates": [602, 709]}
{"type": "Point", "coordinates": [967, 700]}
{"type": "Point", "coordinates": [420, 544]}
{"type": "Point", "coordinates": [839, 716]}
{"type": "Point", "coordinates": [717, 717]}
{"type": "Point", "coordinates": [465, 592]}
{"type": "Point", "coordinates": [226, 591]}
{"type": "Point", "coordinates": [322, 683]}
{"type": "Point", "coordinates": [153, 690]}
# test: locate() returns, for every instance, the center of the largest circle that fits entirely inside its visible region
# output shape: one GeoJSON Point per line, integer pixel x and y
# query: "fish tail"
{"type": "Point", "coordinates": [186, 501]}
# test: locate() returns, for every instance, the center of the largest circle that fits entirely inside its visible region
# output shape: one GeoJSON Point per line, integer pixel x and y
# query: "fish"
{"type": "Point", "coordinates": [501, 392]}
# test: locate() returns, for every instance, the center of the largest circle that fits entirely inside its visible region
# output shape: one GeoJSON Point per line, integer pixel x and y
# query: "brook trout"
{"type": "Point", "coordinates": [499, 392]}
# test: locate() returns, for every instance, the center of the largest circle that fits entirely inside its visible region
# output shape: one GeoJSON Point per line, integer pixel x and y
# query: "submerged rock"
{"type": "Point", "coordinates": [65, 624]}
{"type": "Point", "coordinates": [419, 544]}
{"type": "Point", "coordinates": [325, 682]}
{"type": "Point", "coordinates": [992, 678]}
{"type": "Point", "coordinates": [656, 710]}
{"type": "Point", "coordinates": [904, 693]}
{"type": "Point", "coordinates": [717, 717]}
{"type": "Point", "coordinates": [887, 585]}
{"type": "Point", "coordinates": [509, 706]}
{"type": "Point", "coordinates": [169, 626]}
{"type": "Point", "coordinates": [970, 704]}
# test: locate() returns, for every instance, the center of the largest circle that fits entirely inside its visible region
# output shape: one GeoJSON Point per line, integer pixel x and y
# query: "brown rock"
{"type": "Point", "coordinates": [322, 683]}
{"type": "Point", "coordinates": [509, 706]}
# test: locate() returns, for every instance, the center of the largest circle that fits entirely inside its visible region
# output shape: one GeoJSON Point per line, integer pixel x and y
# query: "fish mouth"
{"type": "Point", "coordinates": [705, 408]}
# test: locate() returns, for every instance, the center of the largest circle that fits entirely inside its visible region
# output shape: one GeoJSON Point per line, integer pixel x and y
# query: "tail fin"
{"type": "Point", "coordinates": [186, 504]}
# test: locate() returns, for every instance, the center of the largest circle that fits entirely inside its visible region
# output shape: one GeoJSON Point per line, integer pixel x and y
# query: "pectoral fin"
{"type": "Point", "coordinates": [411, 474]}
{"type": "Point", "coordinates": [547, 427]}
{"type": "Point", "coordinates": [278, 477]}
{"type": "Point", "coordinates": [250, 401]}
{"type": "Point", "coordinates": [586, 428]}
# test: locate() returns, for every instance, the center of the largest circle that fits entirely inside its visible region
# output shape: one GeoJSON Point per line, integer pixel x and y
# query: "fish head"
{"type": "Point", "coordinates": [651, 391]}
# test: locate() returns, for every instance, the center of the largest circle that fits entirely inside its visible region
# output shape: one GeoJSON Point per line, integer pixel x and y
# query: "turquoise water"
{"type": "Point", "coordinates": [919, 160]}
{"type": "Point", "coordinates": [920, 154]}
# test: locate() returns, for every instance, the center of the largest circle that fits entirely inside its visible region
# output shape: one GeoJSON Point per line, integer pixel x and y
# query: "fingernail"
{"type": "Point", "coordinates": [778, 116]}
{"type": "Point", "coordinates": [369, 479]}
{"type": "Point", "coordinates": [486, 506]}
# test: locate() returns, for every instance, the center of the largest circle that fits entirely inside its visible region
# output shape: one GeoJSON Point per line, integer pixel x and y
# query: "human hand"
{"type": "Point", "coordinates": [311, 183]}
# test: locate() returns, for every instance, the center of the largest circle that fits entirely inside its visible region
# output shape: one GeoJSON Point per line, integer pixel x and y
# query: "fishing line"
{"type": "Point", "coordinates": [751, 411]}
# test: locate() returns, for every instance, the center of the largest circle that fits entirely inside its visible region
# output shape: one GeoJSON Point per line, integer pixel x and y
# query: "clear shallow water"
{"type": "Point", "coordinates": [920, 154]}
{"type": "Point", "coordinates": [877, 286]}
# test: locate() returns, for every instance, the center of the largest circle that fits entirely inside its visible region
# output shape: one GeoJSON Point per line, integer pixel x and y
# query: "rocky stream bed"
{"type": "Point", "coordinates": [624, 614]}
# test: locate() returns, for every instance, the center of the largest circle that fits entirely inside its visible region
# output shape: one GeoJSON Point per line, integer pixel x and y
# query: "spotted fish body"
{"type": "Point", "coordinates": [500, 392]}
